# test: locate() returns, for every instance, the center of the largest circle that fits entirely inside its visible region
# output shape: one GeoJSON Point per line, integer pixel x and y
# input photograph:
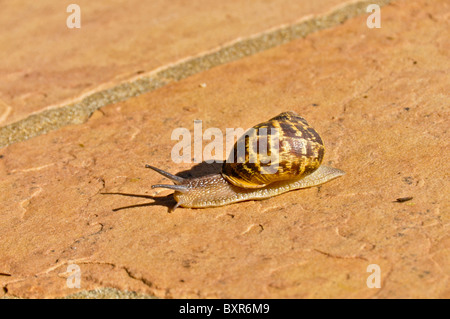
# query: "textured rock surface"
{"type": "Point", "coordinates": [379, 98]}
{"type": "Point", "coordinates": [43, 63]}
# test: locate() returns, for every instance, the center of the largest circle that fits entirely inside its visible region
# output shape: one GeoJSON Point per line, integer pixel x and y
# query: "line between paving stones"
{"type": "Point", "coordinates": [78, 112]}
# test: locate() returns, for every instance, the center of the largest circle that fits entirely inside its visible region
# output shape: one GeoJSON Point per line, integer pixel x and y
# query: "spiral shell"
{"type": "Point", "coordinates": [293, 149]}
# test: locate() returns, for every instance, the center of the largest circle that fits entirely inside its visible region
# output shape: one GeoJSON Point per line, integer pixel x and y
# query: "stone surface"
{"type": "Point", "coordinates": [379, 98]}
{"type": "Point", "coordinates": [43, 63]}
{"type": "Point", "coordinates": [78, 110]}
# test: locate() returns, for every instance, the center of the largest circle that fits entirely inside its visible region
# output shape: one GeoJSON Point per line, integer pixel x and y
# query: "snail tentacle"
{"type": "Point", "coordinates": [178, 188]}
{"type": "Point", "coordinates": [174, 178]}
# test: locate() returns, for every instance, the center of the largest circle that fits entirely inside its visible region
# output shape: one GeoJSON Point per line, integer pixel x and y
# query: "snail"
{"type": "Point", "coordinates": [300, 152]}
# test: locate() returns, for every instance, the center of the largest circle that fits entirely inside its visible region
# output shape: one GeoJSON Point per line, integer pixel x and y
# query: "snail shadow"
{"type": "Point", "coordinates": [201, 169]}
{"type": "Point", "coordinates": [166, 201]}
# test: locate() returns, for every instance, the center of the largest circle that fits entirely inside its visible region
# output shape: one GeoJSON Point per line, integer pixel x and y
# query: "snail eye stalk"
{"type": "Point", "coordinates": [176, 179]}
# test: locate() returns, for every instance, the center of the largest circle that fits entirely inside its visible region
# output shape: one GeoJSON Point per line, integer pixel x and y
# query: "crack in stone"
{"type": "Point", "coordinates": [250, 228]}
{"type": "Point", "coordinates": [32, 169]}
{"type": "Point", "coordinates": [83, 261]}
{"type": "Point", "coordinates": [148, 283]}
{"type": "Point", "coordinates": [339, 257]}
{"type": "Point", "coordinates": [383, 284]}
{"type": "Point", "coordinates": [7, 111]}
{"type": "Point", "coordinates": [142, 279]}
{"type": "Point", "coordinates": [28, 200]}
{"type": "Point", "coordinates": [135, 133]}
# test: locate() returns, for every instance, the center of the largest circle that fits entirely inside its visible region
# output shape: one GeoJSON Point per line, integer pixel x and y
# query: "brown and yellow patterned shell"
{"type": "Point", "coordinates": [290, 148]}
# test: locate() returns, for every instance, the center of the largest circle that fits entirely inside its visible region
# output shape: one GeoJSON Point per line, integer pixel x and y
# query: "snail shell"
{"type": "Point", "coordinates": [300, 152]}
{"type": "Point", "coordinates": [292, 160]}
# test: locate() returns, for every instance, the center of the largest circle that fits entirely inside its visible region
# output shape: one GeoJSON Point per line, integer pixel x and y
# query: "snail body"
{"type": "Point", "coordinates": [299, 153]}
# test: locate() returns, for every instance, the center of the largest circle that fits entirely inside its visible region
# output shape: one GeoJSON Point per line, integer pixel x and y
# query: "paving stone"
{"type": "Point", "coordinates": [44, 64]}
{"type": "Point", "coordinates": [378, 97]}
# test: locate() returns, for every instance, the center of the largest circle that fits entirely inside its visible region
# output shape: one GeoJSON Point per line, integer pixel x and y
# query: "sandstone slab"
{"type": "Point", "coordinates": [379, 98]}
{"type": "Point", "coordinates": [44, 64]}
